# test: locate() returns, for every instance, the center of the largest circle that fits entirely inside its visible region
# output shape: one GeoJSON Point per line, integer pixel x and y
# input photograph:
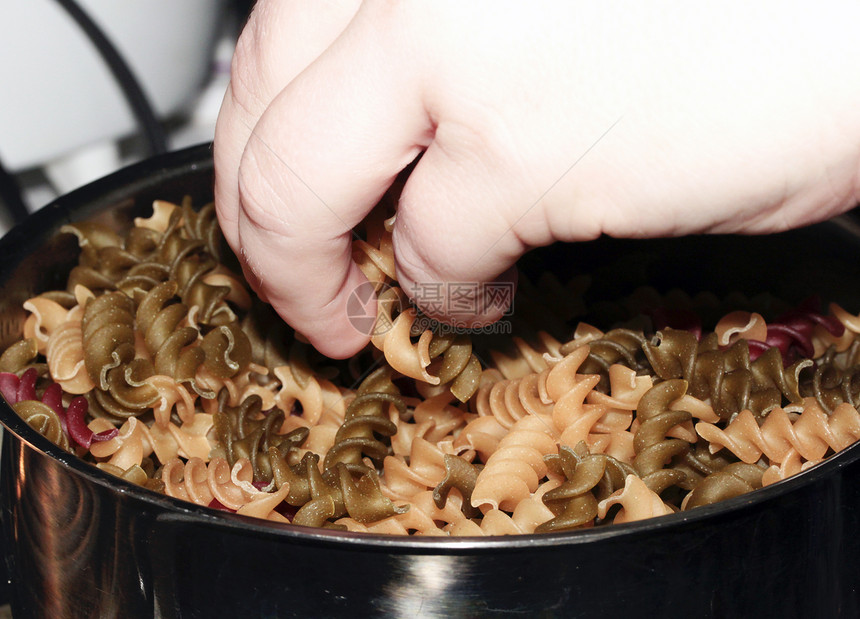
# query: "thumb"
{"type": "Point", "coordinates": [454, 249]}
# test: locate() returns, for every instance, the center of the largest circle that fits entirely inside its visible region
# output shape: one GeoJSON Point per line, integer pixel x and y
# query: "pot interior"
{"type": "Point", "coordinates": [817, 261]}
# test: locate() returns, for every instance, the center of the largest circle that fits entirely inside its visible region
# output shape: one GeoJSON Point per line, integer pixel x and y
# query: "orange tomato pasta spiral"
{"type": "Point", "coordinates": [516, 468]}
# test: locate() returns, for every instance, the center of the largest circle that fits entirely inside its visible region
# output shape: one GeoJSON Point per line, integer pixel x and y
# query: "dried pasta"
{"type": "Point", "coordinates": [157, 365]}
{"type": "Point", "coordinates": [457, 366]}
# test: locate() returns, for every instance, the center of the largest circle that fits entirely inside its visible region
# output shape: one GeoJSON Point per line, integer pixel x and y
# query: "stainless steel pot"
{"type": "Point", "coordinates": [80, 543]}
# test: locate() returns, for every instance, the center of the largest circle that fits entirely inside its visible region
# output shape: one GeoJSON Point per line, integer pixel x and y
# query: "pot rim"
{"type": "Point", "coordinates": [149, 173]}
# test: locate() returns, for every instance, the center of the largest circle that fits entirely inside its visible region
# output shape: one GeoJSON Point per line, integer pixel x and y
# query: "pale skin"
{"type": "Point", "coordinates": [540, 121]}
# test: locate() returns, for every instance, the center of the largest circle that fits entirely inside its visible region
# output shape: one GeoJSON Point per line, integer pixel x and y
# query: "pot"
{"type": "Point", "coordinates": [82, 543]}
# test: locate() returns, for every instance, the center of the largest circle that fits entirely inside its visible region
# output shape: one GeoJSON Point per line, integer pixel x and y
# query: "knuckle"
{"type": "Point", "coordinates": [250, 87]}
{"type": "Point", "coordinates": [259, 200]}
{"type": "Point", "coordinates": [245, 88]}
{"type": "Point", "coordinates": [412, 262]}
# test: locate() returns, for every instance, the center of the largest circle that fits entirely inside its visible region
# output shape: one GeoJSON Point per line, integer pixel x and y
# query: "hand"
{"type": "Point", "coordinates": [538, 122]}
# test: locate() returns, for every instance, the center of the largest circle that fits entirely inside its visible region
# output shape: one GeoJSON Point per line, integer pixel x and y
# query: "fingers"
{"type": "Point", "coordinates": [454, 246]}
{"type": "Point", "coordinates": [321, 155]}
{"type": "Point", "coordinates": [619, 122]}
{"type": "Point", "coordinates": [279, 41]}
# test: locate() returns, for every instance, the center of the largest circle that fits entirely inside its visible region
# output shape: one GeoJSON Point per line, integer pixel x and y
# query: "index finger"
{"type": "Point", "coordinates": [279, 41]}
{"type": "Point", "coordinates": [320, 157]}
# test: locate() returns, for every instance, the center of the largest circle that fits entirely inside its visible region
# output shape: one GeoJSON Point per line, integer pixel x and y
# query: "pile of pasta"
{"type": "Point", "coordinates": [157, 365]}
